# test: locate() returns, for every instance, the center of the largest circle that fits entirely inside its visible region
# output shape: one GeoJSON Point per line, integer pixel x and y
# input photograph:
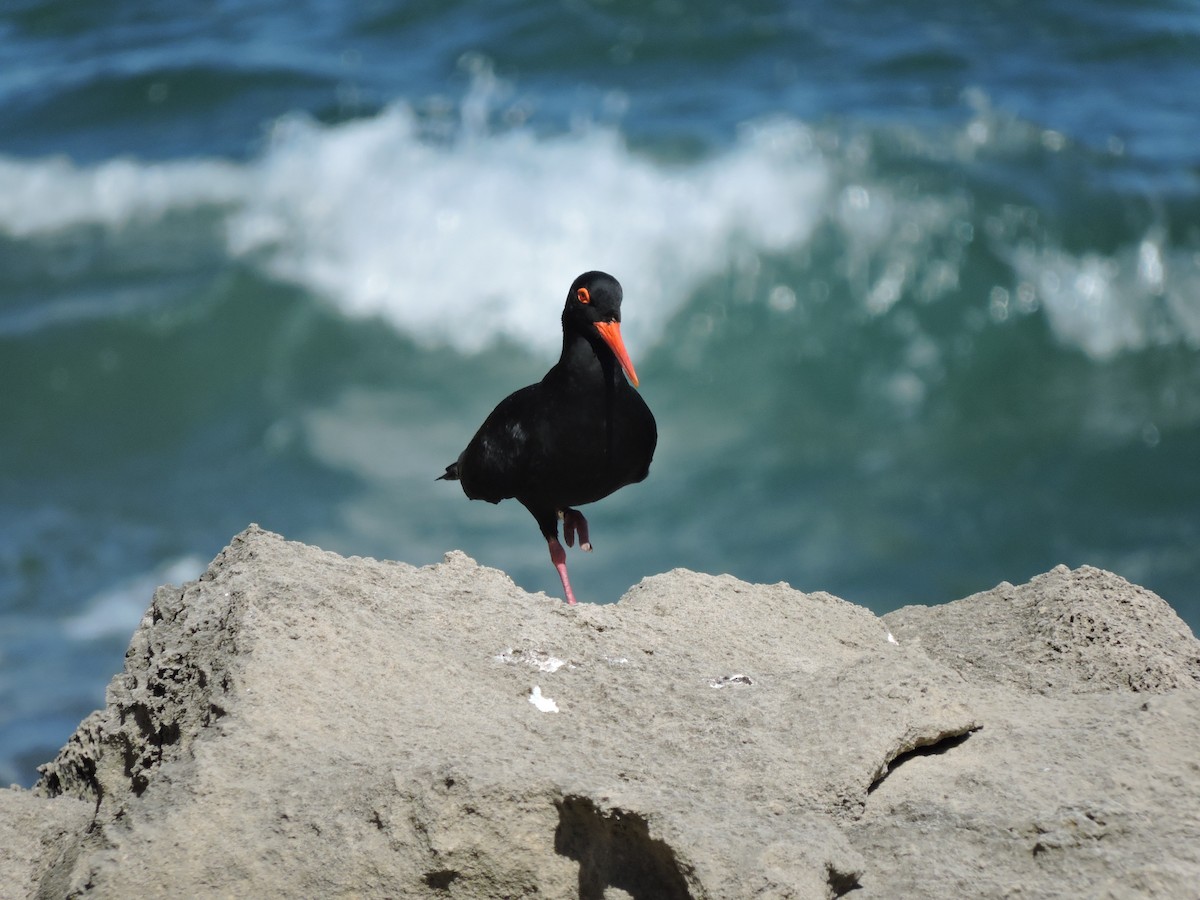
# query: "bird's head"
{"type": "Point", "coordinates": [594, 306]}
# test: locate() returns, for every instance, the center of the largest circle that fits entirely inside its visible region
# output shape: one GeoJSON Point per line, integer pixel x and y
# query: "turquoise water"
{"type": "Point", "coordinates": [913, 289]}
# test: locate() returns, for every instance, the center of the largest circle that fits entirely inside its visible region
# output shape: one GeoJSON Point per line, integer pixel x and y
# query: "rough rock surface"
{"type": "Point", "coordinates": [300, 724]}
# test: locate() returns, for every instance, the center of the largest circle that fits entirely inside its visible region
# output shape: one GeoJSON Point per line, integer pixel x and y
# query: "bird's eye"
{"type": "Point", "coordinates": [583, 295]}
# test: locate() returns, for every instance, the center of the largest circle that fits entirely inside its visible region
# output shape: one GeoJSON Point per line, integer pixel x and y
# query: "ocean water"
{"type": "Point", "coordinates": [913, 289]}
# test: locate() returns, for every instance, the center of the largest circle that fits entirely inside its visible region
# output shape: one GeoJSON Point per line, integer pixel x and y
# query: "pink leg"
{"type": "Point", "coordinates": [559, 557]}
{"type": "Point", "coordinates": [573, 521]}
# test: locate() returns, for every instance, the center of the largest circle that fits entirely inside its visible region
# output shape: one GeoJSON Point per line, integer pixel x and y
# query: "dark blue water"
{"type": "Point", "coordinates": [913, 289]}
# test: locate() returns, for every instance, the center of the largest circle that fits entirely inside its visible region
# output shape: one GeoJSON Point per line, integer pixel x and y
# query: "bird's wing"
{"type": "Point", "coordinates": [496, 464]}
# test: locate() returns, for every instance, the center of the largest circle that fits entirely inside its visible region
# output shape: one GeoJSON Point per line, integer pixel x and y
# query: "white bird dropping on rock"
{"type": "Point", "coordinates": [545, 704]}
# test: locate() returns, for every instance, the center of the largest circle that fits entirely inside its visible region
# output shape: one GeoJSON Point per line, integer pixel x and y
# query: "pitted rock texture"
{"type": "Point", "coordinates": [296, 723]}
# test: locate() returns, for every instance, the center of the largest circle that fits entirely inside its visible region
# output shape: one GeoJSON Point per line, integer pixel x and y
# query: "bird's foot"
{"type": "Point", "coordinates": [558, 556]}
{"type": "Point", "coordinates": [574, 523]}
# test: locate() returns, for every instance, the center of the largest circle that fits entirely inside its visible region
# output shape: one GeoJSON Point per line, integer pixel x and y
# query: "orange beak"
{"type": "Point", "coordinates": [610, 332]}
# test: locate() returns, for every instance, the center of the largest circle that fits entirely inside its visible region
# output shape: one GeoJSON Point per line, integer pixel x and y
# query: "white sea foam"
{"type": "Point", "coordinates": [1137, 298]}
{"type": "Point", "coordinates": [465, 237]}
{"type": "Point", "coordinates": [458, 240]}
{"type": "Point", "coordinates": [115, 611]}
{"type": "Point", "coordinates": [47, 195]}
{"type": "Point", "coordinates": [465, 241]}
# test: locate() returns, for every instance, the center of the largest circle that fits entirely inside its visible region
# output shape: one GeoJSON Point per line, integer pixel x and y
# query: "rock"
{"type": "Point", "coordinates": [1084, 781]}
{"type": "Point", "coordinates": [1063, 632]}
{"type": "Point", "coordinates": [300, 724]}
{"type": "Point", "coordinates": [40, 840]}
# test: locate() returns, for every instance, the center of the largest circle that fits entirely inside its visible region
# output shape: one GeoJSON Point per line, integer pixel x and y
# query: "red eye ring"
{"type": "Point", "coordinates": [583, 295]}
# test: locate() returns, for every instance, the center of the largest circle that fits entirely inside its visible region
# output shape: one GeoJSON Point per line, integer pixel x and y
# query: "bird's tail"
{"type": "Point", "coordinates": [451, 473]}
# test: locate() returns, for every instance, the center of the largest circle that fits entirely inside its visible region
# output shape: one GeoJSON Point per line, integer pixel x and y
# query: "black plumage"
{"type": "Point", "coordinates": [573, 438]}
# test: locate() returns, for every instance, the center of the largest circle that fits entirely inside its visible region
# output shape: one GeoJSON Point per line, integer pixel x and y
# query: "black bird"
{"type": "Point", "coordinates": [576, 436]}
